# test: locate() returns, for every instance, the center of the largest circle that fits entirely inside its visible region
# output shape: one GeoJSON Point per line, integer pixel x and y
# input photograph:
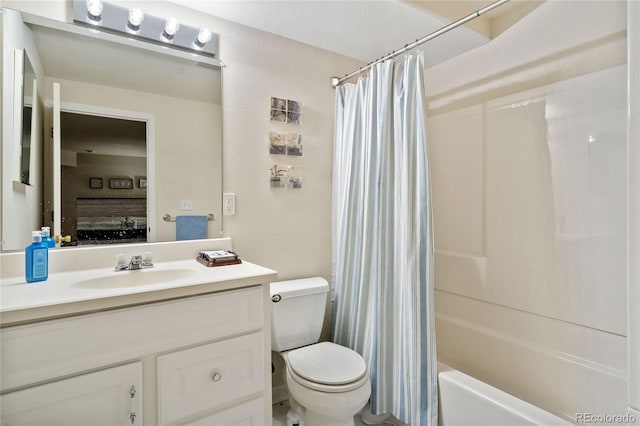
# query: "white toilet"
{"type": "Point", "coordinates": [328, 383]}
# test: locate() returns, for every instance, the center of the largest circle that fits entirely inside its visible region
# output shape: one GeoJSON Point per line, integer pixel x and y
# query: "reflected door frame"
{"type": "Point", "coordinates": [97, 110]}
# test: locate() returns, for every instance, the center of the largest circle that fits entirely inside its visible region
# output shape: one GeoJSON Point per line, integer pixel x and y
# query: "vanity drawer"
{"type": "Point", "coordinates": [203, 378]}
{"type": "Point", "coordinates": [46, 350]}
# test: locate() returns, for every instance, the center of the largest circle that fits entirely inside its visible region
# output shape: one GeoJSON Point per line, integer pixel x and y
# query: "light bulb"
{"type": "Point", "coordinates": [171, 27]}
{"type": "Point", "coordinates": [136, 16]}
{"type": "Point", "coordinates": [204, 36]}
{"type": "Point", "coordinates": [94, 8]}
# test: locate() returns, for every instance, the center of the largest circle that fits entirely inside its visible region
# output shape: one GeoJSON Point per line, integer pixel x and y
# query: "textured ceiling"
{"type": "Point", "coordinates": [365, 30]}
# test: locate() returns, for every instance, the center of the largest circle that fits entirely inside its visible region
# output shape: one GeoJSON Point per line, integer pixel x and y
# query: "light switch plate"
{"type": "Point", "coordinates": [186, 205]}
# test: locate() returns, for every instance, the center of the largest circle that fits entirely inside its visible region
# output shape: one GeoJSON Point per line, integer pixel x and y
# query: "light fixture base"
{"type": "Point", "coordinates": [114, 19]}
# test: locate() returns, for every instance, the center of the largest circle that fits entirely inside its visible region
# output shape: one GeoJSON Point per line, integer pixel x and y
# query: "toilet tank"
{"type": "Point", "coordinates": [297, 312]}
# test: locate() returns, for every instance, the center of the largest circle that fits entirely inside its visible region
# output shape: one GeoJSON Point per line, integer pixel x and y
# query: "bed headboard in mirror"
{"type": "Point", "coordinates": [174, 96]}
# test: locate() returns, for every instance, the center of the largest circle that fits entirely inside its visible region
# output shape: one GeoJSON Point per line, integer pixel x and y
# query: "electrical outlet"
{"type": "Point", "coordinates": [228, 204]}
{"type": "Point", "coordinates": [186, 205]}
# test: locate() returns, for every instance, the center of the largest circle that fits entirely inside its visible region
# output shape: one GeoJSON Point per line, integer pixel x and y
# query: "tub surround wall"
{"type": "Point", "coordinates": [528, 155]}
{"type": "Point", "coordinates": [463, 400]}
{"type": "Point", "coordinates": [633, 307]}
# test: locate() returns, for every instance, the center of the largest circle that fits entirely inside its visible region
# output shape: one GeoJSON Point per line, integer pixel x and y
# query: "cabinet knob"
{"type": "Point", "coordinates": [216, 377]}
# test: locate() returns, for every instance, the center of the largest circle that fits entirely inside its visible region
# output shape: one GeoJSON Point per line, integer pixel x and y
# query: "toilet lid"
{"type": "Point", "coordinates": [327, 363]}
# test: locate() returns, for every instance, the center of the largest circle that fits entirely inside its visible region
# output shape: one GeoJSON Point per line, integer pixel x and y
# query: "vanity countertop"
{"type": "Point", "coordinates": [84, 291]}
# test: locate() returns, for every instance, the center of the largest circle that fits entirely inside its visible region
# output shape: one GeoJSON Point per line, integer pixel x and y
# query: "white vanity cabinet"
{"type": "Point", "coordinates": [202, 359]}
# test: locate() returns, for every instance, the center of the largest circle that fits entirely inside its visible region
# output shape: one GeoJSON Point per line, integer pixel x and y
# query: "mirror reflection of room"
{"type": "Point", "coordinates": [103, 174]}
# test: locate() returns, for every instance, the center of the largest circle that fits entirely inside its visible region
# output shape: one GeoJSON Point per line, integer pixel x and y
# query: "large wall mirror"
{"type": "Point", "coordinates": [140, 137]}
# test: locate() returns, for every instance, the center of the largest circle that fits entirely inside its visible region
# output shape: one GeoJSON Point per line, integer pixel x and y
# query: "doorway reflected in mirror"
{"type": "Point", "coordinates": [115, 150]}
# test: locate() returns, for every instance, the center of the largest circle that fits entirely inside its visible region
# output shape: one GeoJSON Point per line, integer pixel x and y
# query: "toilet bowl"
{"type": "Point", "coordinates": [327, 383]}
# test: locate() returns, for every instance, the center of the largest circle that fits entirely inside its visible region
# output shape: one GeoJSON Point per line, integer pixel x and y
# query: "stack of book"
{"type": "Point", "coordinates": [218, 258]}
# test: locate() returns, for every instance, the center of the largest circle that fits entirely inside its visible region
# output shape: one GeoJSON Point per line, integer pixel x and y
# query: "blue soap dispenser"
{"type": "Point", "coordinates": [36, 259]}
{"type": "Point", "coordinates": [46, 237]}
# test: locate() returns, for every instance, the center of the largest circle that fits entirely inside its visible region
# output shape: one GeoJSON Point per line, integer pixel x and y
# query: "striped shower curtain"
{"type": "Point", "coordinates": [382, 244]}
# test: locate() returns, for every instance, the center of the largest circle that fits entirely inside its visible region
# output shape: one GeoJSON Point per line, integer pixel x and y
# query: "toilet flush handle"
{"type": "Point", "coordinates": [216, 377]}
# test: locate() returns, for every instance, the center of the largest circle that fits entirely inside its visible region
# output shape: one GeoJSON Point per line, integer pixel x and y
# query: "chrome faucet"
{"type": "Point", "coordinates": [143, 261]}
{"type": "Point", "coordinates": [135, 262]}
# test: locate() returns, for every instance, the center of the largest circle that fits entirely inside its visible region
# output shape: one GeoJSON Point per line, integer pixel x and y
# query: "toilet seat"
{"type": "Point", "coordinates": [327, 367]}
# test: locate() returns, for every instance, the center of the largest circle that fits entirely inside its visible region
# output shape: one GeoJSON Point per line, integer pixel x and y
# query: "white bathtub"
{"type": "Point", "coordinates": [465, 401]}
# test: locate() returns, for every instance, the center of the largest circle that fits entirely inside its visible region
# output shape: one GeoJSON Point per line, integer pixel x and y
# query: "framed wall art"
{"type": "Point", "coordinates": [121, 183]}
{"type": "Point", "coordinates": [95, 182]}
{"type": "Point", "coordinates": [286, 110]}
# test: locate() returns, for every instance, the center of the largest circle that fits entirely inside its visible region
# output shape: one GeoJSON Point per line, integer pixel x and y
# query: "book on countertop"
{"type": "Point", "coordinates": [218, 258]}
{"type": "Point", "coordinates": [209, 263]}
{"type": "Point", "coordinates": [218, 255]}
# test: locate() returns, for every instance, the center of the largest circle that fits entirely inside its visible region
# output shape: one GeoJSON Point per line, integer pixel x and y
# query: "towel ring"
{"type": "Point", "coordinates": [168, 218]}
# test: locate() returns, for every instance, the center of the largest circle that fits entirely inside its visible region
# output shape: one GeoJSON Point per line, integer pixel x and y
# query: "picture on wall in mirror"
{"type": "Point", "coordinates": [142, 183]}
{"type": "Point", "coordinates": [286, 111]}
{"type": "Point", "coordinates": [121, 183]}
{"type": "Point", "coordinates": [95, 183]}
{"type": "Point", "coordinates": [286, 176]}
{"type": "Point", "coordinates": [285, 143]}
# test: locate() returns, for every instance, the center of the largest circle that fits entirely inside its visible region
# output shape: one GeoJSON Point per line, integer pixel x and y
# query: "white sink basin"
{"type": "Point", "coordinates": [121, 279]}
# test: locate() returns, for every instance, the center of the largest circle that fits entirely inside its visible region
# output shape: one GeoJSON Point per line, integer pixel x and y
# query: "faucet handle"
{"type": "Point", "coordinates": [147, 259]}
{"type": "Point", "coordinates": [121, 262]}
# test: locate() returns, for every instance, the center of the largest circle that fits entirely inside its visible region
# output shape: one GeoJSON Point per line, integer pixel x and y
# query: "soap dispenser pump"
{"type": "Point", "coordinates": [46, 237]}
{"type": "Point", "coordinates": [36, 259]}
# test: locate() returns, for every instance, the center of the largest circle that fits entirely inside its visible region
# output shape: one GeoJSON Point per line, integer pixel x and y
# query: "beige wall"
{"type": "Point", "coordinates": [527, 139]}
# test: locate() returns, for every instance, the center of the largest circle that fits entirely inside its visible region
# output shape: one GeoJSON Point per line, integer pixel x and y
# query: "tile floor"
{"type": "Point", "coordinates": [280, 415]}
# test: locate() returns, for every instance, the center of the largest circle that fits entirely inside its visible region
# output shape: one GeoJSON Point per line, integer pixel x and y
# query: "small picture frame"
{"type": "Point", "coordinates": [142, 183]}
{"type": "Point", "coordinates": [285, 110]}
{"type": "Point", "coordinates": [95, 182]}
{"type": "Point", "coordinates": [286, 176]}
{"type": "Point", "coordinates": [277, 143]}
{"type": "Point", "coordinates": [294, 112]}
{"type": "Point", "coordinates": [121, 183]}
{"type": "Point", "coordinates": [278, 110]}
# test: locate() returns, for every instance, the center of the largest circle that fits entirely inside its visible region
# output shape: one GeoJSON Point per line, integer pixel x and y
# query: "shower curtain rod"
{"type": "Point", "coordinates": [336, 81]}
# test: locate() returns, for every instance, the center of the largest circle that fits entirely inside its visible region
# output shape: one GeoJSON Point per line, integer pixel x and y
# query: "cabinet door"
{"type": "Point", "coordinates": [108, 397]}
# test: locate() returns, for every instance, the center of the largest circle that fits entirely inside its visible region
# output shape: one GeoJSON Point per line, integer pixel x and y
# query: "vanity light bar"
{"type": "Point", "coordinates": [136, 24]}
